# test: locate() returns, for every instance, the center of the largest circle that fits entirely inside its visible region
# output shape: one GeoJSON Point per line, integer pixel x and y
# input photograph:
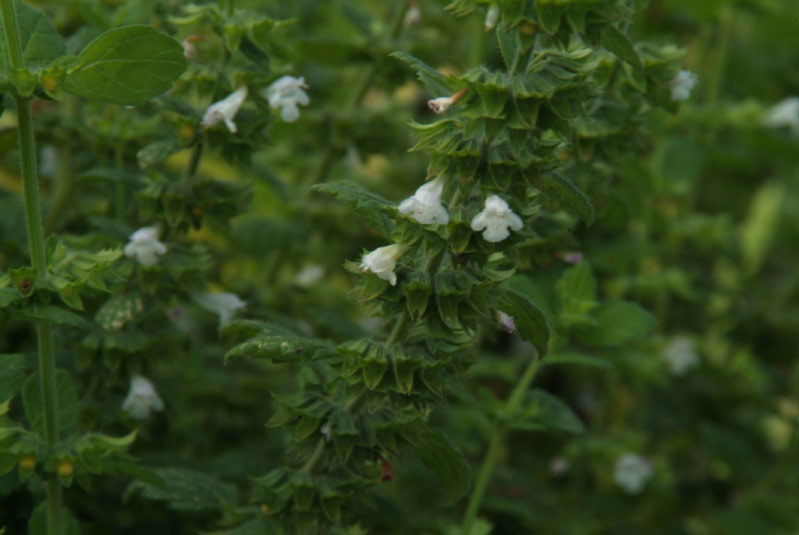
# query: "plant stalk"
{"type": "Point", "coordinates": [33, 221]}
{"type": "Point", "coordinates": [495, 445]}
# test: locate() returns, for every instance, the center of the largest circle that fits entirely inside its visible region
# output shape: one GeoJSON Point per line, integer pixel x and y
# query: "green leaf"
{"type": "Point", "coordinates": [577, 292]}
{"type": "Point", "coordinates": [56, 314]}
{"type": "Point", "coordinates": [8, 296]}
{"type": "Point", "coordinates": [577, 359]}
{"type": "Point", "coordinates": [12, 374]}
{"type": "Point", "coordinates": [431, 78]}
{"type": "Point", "coordinates": [618, 43]}
{"type": "Point", "coordinates": [282, 345]}
{"type": "Point", "coordinates": [617, 322]}
{"type": "Point", "coordinates": [530, 321]}
{"type": "Point", "coordinates": [37, 523]}
{"type": "Point", "coordinates": [126, 66]}
{"type": "Point", "coordinates": [509, 46]}
{"type": "Point", "coordinates": [572, 197]}
{"type": "Point", "coordinates": [761, 225]}
{"type": "Point", "coordinates": [541, 410]}
{"type": "Point", "coordinates": [67, 402]}
{"type": "Point", "coordinates": [185, 490]}
{"type": "Point", "coordinates": [374, 207]}
{"type": "Point", "coordinates": [41, 44]}
{"type": "Point", "coordinates": [448, 463]}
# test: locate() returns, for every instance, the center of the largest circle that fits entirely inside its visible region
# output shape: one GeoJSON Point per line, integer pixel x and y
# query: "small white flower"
{"type": "Point", "coordinates": [506, 322]}
{"type": "Point", "coordinates": [142, 398]}
{"type": "Point", "coordinates": [189, 50]}
{"type": "Point", "coordinates": [225, 110]}
{"type": "Point", "coordinates": [425, 205]}
{"type": "Point", "coordinates": [492, 16]}
{"type": "Point", "coordinates": [144, 246]}
{"type": "Point", "coordinates": [285, 93]}
{"type": "Point", "coordinates": [413, 17]}
{"type": "Point", "coordinates": [309, 275]}
{"type": "Point", "coordinates": [440, 104]}
{"type": "Point", "coordinates": [681, 355]}
{"type": "Point", "coordinates": [632, 472]}
{"type": "Point", "coordinates": [382, 262]}
{"type": "Point", "coordinates": [327, 430]}
{"type": "Point", "coordinates": [558, 466]}
{"type": "Point", "coordinates": [496, 218]}
{"type": "Point", "coordinates": [224, 304]}
{"type": "Point", "coordinates": [682, 84]}
{"type": "Point", "coordinates": [784, 114]}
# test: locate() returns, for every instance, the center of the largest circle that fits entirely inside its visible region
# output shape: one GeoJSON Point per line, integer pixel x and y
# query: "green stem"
{"type": "Point", "coordinates": [397, 331]}
{"type": "Point", "coordinates": [120, 201]}
{"type": "Point", "coordinates": [497, 438]}
{"type": "Point", "coordinates": [33, 220]}
{"type": "Point", "coordinates": [314, 459]}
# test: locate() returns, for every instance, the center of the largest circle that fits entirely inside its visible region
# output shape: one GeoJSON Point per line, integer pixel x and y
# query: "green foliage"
{"type": "Point", "coordinates": [41, 43]}
{"type": "Point", "coordinates": [186, 490]}
{"type": "Point", "coordinates": [68, 402]}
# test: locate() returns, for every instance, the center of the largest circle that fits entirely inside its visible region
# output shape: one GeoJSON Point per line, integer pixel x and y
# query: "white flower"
{"type": "Point", "coordinates": [425, 205]}
{"type": "Point", "coordinates": [492, 16]}
{"type": "Point", "coordinates": [440, 104]}
{"type": "Point", "coordinates": [285, 93]}
{"type": "Point", "coordinates": [382, 262]}
{"type": "Point", "coordinates": [784, 114]}
{"type": "Point", "coordinates": [632, 472]}
{"type": "Point", "coordinates": [224, 304]}
{"type": "Point", "coordinates": [682, 84]}
{"type": "Point", "coordinates": [225, 110]}
{"type": "Point", "coordinates": [309, 275]}
{"type": "Point", "coordinates": [189, 50]}
{"type": "Point", "coordinates": [558, 466]}
{"type": "Point", "coordinates": [144, 245]}
{"type": "Point", "coordinates": [142, 398]}
{"type": "Point", "coordinates": [496, 218]}
{"type": "Point", "coordinates": [413, 17]}
{"type": "Point", "coordinates": [681, 355]}
{"type": "Point", "coordinates": [506, 322]}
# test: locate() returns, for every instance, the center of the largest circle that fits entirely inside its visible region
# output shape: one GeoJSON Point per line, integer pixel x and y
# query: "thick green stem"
{"type": "Point", "coordinates": [495, 445]}
{"type": "Point", "coordinates": [33, 220]}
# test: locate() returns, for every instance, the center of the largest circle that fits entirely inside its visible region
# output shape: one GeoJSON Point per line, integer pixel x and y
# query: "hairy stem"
{"type": "Point", "coordinates": [33, 221]}
{"type": "Point", "coordinates": [495, 445]}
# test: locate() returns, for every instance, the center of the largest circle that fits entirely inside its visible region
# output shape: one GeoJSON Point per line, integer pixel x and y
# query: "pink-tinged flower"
{"type": "Point", "coordinates": [225, 110]}
{"type": "Point", "coordinates": [506, 322]}
{"type": "Point", "coordinates": [144, 246]}
{"type": "Point", "coordinates": [495, 220]}
{"type": "Point", "coordinates": [573, 257]}
{"type": "Point", "coordinates": [382, 262]}
{"type": "Point", "coordinates": [142, 398]}
{"type": "Point", "coordinates": [425, 205]}
{"type": "Point", "coordinates": [285, 93]}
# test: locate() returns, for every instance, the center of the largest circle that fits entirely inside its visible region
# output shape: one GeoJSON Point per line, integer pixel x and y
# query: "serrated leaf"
{"type": "Point", "coordinates": [617, 322]}
{"type": "Point", "coordinates": [530, 322]}
{"type": "Point", "coordinates": [282, 345]}
{"type": "Point", "coordinates": [66, 399]}
{"type": "Point", "coordinates": [54, 313]}
{"type": "Point", "coordinates": [431, 78]}
{"type": "Point", "coordinates": [372, 206]}
{"type": "Point", "coordinates": [447, 462]}
{"type": "Point", "coordinates": [573, 197]}
{"type": "Point", "coordinates": [186, 490]}
{"type": "Point", "coordinates": [577, 292]}
{"type": "Point", "coordinates": [8, 296]}
{"type": "Point", "coordinates": [41, 43]}
{"type": "Point", "coordinates": [509, 46]}
{"type": "Point", "coordinates": [12, 374]}
{"type": "Point", "coordinates": [126, 66]}
{"type": "Point", "coordinates": [541, 410]}
{"type": "Point", "coordinates": [618, 43]}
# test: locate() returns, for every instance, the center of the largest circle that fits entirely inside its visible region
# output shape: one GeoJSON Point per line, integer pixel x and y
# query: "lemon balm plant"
{"type": "Point", "coordinates": [569, 86]}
